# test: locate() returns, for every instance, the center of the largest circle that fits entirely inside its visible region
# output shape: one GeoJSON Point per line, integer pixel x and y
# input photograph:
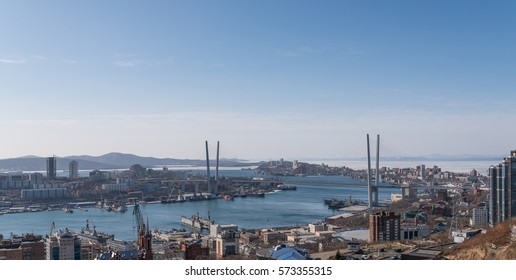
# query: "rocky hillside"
{"type": "Point", "coordinates": [496, 244]}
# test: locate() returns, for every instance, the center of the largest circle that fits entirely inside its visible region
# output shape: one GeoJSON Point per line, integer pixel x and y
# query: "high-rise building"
{"type": "Point", "coordinates": [63, 245]}
{"type": "Point", "coordinates": [35, 179]}
{"type": "Point", "coordinates": [502, 190]}
{"type": "Point", "coordinates": [227, 243]}
{"type": "Point", "coordinates": [423, 171]}
{"type": "Point", "coordinates": [384, 226]}
{"type": "Point", "coordinates": [73, 169]}
{"type": "Point", "coordinates": [51, 167]}
{"type": "Point", "coordinates": [479, 216]}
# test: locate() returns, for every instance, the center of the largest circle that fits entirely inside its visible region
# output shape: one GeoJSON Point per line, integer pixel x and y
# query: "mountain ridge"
{"type": "Point", "coordinates": [114, 160]}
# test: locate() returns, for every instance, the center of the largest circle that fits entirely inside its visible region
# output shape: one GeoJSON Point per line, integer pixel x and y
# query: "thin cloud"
{"type": "Point", "coordinates": [46, 122]}
{"type": "Point", "coordinates": [131, 61]}
{"type": "Point", "coordinates": [126, 64]}
{"type": "Point", "coordinates": [13, 61]}
{"type": "Point", "coordinates": [21, 59]}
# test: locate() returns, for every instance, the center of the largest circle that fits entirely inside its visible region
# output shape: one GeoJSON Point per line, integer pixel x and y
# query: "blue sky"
{"type": "Point", "coordinates": [269, 79]}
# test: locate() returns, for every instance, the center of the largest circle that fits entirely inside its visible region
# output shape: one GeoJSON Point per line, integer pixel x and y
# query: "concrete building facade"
{"type": "Point", "coordinates": [52, 167]}
{"type": "Point", "coordinates": [63, 245]}
{"type": "Point", "coordinates": [502, 190]}
{"type": "Point", "coordinates": [227, 244]}
{"type": "Point", "coordinates": [384, 226]}
{"type": "Point", "coordinates": [479, 217]}
{"type": "Point", "coordinates": [73, 170]}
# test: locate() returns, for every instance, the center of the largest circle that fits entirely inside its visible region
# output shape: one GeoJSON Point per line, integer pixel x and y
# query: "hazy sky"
{"type": "Point", "coordinates": [269, 79]}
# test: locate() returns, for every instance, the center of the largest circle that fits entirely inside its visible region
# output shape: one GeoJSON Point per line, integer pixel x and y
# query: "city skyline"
{"type": "Point", "coordinates": [291, 79]}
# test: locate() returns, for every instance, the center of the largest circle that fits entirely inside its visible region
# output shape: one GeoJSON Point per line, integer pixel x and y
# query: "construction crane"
{"type": "Point", "coordinates": [144, 235]}
{"type": "Point", "coordinates": [138, 217]}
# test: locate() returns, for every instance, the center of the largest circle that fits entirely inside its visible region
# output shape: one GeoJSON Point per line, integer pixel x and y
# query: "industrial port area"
{"type": "Point", "coordinates": [431, 214]}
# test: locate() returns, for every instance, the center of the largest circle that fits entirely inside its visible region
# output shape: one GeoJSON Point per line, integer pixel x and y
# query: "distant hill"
{"type": "Point", "coordinates": [107, 161]}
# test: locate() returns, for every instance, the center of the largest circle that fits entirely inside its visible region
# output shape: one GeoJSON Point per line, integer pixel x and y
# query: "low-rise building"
{"type": "Point", "coordinates": [414, 231]}
{"type": "Point", "coordinates": [460, 236]}
{"type": "Point", "coordinates": [216, 229]}
{"type": "Point", "coordinates": [25, 247]}
{"type": "Point", "coordinates": [354, 246]}
{"type": "Point", "coordinates": [247, 237]}
{"type": "Point", "coordinates": [273, 237]}
{"type": "Point", "coordinates": [115, 187]}
{"type": "Point", "coordinates": [421, 254]}
{"type": "Point", "coordinates": [195, 251]}
{"type": "Point", "coordinates": [313, 228]}
{"type": "Point", "coordinates": [325, 234]}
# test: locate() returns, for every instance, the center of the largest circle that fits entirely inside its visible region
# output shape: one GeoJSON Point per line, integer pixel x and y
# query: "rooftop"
{"type": "Point", "coordinates": [355, 208]}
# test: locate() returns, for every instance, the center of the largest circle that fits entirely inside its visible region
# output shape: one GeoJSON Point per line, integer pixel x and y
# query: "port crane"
{"type": "Point", "coordinates": [144, 235]}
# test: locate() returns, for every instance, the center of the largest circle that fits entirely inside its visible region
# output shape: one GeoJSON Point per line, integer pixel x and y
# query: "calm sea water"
{"type": "Point", "coordinates": [277, 209]}
{"type": "Point", "coordinates": [285, 208]}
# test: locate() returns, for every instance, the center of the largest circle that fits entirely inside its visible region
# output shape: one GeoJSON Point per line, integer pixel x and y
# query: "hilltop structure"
{"type": "Point", "coordinates": [502, 190]}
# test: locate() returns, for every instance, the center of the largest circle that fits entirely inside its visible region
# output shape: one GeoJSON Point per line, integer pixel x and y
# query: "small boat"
{"type": "Point", "coordinates": [256, 194]}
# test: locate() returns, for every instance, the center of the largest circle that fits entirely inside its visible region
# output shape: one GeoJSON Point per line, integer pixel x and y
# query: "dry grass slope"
{"type": "Point", "coordinates": [495, 244]}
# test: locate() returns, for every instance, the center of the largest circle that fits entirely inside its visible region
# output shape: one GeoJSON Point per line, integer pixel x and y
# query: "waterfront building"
{"type": "Point", "coordinates": [384, 226]}
{"type": "Point", "coordinates": [216, 229]}
{"type": "Point", "coordinates": [50, 193]}
{"type": "Point", "coordinates": [13, 180]}
{"type": "Point", "coordinates": [52, 167]}
{"type": "Point", "coordinates": [313, 228]}
{"type": "Point", "coordinates": [115, 188]}
{"type": "Point", "coordinates": [63, 245]}
{"type": "Point", "coordinates": [502, 190]}
{"type": "Point", "coordinates": [73, 170]}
